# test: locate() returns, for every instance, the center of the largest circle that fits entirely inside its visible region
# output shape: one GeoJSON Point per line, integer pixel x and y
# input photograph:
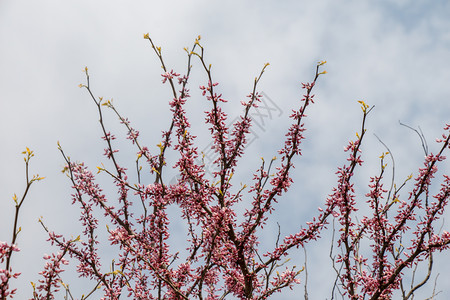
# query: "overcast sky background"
{"type": "Point", "coordinates": [391, 54]}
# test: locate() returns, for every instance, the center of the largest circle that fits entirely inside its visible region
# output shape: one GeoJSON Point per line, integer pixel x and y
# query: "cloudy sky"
{"type": "Point", "coordinates": [391, 54]}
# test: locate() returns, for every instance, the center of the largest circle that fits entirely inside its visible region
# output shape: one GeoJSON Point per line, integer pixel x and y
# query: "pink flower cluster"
{"type": "Point", "coordinates": [6, 274]}
{"type": "Point", "coordinates": [50, 283]}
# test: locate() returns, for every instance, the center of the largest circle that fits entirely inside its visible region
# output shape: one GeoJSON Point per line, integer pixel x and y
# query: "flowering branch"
{"type": "Point", "coordinates": [6, 250]}
{"type": "Point", "coordinates": [382, 277]}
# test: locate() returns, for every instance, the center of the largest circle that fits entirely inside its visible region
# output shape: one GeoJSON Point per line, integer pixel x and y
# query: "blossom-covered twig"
{"type": "Point", "coordinates": [392, 219]}
{"type": "Point", "coordinates": [7, 250]}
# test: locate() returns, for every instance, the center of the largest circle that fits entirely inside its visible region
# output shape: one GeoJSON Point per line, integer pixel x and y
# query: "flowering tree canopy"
{"type": "Point", "coordinates": [222, 257]}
